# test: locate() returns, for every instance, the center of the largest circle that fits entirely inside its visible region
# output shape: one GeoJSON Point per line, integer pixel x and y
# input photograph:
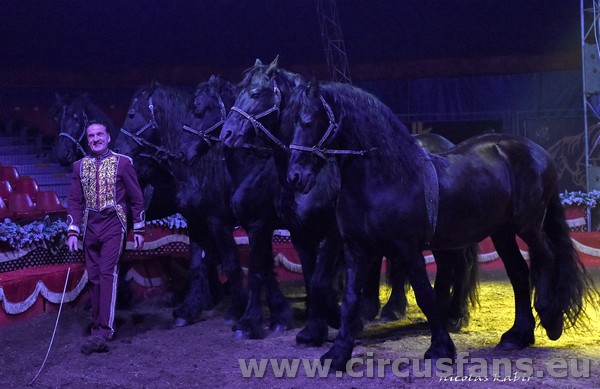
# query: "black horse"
{"type": "Point", "coordinates": [151, 135]}
{"type": "Point", "coordinates": [263, 96]}
{"type": "Point", "coordinates": [396, 200]}
{"type": "Point", "coordinates": [261, 206]}
{"type": "Point", "coordinates": [72, 113]}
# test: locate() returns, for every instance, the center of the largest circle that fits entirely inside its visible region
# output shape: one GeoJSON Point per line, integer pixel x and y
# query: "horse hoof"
{"type": "Point", "coordinates": [388, 317]}
{"type": "Point", "coordinates": [448, 352]}
{"type": "Point", "coordinates": [554, 332]}
{"type": "Point", "coordinates": [180, 322]}
{"type": "Point", "coordinates": [512, 342]}
{"type": "Point", "coordinates": [455, 325]}
{"type": "Point", "coordinates": [306, 337]}
{"type": "Point", "coordinates": [238, 334]}
{"type": "Point", "coordinates": [338, 363]}
{"type": "Point", "coordinates": [279, 328]}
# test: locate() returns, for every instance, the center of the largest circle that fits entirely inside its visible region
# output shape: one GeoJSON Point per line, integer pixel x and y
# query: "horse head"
{"type": "Point", "coordinates": [212, 100]}
{"type": "Point", "coordinates": [255, 115]}
{"type": "Point", "coordinates": [139, 124]}
{"type": "Point", "coordinates": [309, 119]}
{"type": "Point", "coordinates": [71, 114]}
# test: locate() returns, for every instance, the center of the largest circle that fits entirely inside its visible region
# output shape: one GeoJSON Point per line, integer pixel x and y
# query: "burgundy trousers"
{"type": "Point", "coordinates": [103, 244]}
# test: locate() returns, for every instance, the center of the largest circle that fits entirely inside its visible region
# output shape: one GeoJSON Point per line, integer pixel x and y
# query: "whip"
{"type": "Point", "coordinates": [62, 299]}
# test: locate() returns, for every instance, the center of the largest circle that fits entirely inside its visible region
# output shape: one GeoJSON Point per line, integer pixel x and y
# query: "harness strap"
{"type": "Point", "coordinates": [258, 125]}
{"type": "Point", "coordinates": [431, 188]}
{"type": "Point", "coordinates": [332, 128]}
{"type": "Point", "coordinates": [205, 134]}
{"type": "Point", "coordinates": [74, 141]}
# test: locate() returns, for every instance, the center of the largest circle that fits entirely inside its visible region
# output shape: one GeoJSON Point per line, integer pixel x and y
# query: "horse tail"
{"type": "Point", "coordinates": [472, 280]}
{"type": "Point", "coordinates": [571, 286]}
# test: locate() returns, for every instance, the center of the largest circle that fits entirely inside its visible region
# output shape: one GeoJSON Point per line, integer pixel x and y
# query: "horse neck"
{"type": "Point", "coordinates": [170, 120]}
{"type": "Point", "coordinates": [367, 124]}
{"type": "Point", "coordinates": [242, 164]}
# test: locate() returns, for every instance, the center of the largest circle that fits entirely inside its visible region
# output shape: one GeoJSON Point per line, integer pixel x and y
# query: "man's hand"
{"type": "Point", "coordinates": [72, 243]}
{"type": "Point", "coordinates": [138, 241]}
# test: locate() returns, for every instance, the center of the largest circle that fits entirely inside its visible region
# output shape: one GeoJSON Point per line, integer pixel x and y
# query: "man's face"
{"type": "Point", "coordinates": [98, 138]}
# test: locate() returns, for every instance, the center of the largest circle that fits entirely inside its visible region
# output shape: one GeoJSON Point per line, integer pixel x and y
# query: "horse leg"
{"type": "Point", "coordinates": [369, 299]}
{"type": "Point", "coordinates": [395, 308]}
{"type": "Point", "coordinates": [559, 278]}
{"type": "Point", "coordinates": [260, 273]}
{"type": "Point", "coordinates": [198, 296]}
{"type": "Point", "coordinates": [456, 284]}
{"type": "Point", "coordinates": [520, 335]}
{"type": "Point", "coordinates": [320, 264]}
{"type": "Point", "coordinates": [281, 312]}
{"type": "Point", "coordinates": [541, 265]}
{"type": "Point", "coordinates": [357, 265]}
{"type": "Point", "coordinates": [442, 345]}
{"type": "Point", "coordinates": [222, 238]}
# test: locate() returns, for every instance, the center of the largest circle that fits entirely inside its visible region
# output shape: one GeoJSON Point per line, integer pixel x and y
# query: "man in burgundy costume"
{"type": "Point", "coordinates": [104, 184]}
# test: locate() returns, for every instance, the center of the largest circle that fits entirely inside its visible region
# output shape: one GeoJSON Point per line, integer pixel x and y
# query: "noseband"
{"type": "Point", "coordinates": [205, 134]}
{"type": "Point", "coordinates": [71, 138]}
{"type": "Point", "coordinates": [160, 153]}
{"type": "Point", "coordinates": [332, 128]}
{"type": "Point", "coordinates": [258, 125]}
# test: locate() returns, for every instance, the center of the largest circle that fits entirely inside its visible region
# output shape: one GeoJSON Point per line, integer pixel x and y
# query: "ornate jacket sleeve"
{"type": "Point", "coordinates": [135, 196]}
{"type": "Point", "coordinates": [76, 202]}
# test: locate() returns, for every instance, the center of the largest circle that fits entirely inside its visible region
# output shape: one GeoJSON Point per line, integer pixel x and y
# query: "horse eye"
{"type": "Point", "coordinates": [254, 93]}
{"type": "Point", "coordinates": [305, 124]}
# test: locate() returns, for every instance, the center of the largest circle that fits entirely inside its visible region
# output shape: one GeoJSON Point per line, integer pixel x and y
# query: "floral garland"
{"type": "Point", "coordinates": [173, 222]}
{"type": "Point", "coordinates": [53, 232]}
{"type": "Point", "coordinates": [588, 199]}
{"type": "Point", "coordinates": [48, 231]}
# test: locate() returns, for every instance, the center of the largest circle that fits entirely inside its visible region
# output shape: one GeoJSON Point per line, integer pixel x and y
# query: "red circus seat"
{"type": "Point", "coordinates": [9, 173]}
{"type": "Point", "coordinates": [48, 203]}
{"type": "Point", "coordinates": [4, 212]}
{"type": "Point", "coordinates": [22, 207]}
{"type": "Point", "coordinates": [5, 190]}
{"type": "Point", "coordinates": [26, 184]}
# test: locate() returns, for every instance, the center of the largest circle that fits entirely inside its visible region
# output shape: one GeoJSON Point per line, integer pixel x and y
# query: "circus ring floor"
{"type": "Point", "coordinates": [148, 353]}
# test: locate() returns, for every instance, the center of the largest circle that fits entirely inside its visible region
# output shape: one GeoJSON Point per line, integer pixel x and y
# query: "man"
{"type": "Point", "coordinates": [104, 184]}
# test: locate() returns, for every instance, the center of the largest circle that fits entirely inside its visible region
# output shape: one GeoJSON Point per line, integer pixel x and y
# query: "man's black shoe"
{"type": "Point", "coordinates": [94, 344]}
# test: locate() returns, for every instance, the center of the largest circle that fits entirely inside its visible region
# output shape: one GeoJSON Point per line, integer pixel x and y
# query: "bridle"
{"type": "Point", "coordinates": [69, 136]}
{"type": "Point", "coordinates": [160, 153]}
{"type": "Point", "coordinates": [205, 135]}
{"type": "Point", "coordinates": [258, 125]}
{"type": "Point", "coordinates": [319, 149]}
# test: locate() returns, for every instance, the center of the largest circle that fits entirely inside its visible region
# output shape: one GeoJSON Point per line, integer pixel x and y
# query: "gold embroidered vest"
{"type": "Point", "coordinates": [101, 193]}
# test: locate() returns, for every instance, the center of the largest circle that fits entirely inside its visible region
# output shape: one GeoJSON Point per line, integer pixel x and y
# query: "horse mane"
{"type": "Point", "coordinates": [205, 183]}
{"type": "Point", "coordinates": [216, 85]}
{"type": "Point", "coordinates": [266, 72]}
{"type": "Point", "coordinates": [82, 102]}
{"type": "Point", "coordinates": [368, 123]}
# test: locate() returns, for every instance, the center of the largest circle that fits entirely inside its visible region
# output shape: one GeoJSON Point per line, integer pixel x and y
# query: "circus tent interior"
{"type": "Point", "coordinates": [515, 67]}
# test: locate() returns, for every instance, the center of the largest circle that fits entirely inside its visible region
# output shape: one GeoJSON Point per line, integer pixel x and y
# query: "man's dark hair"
{"type": "Point", "coordinates": [96, 121]}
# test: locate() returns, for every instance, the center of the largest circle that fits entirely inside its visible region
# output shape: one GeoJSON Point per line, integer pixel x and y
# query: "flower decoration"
{"type": "Point", "coordinates": [173, 222]}
{"type": "Point", "coordinates": [587, 199]}
{"type": "Point", "coordinates": [52, 232]}
{"type": "Point", "coordinates": [48, 232]}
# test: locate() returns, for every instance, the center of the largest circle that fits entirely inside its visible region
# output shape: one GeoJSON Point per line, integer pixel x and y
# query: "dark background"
{"type": "Point", "coordinates": [83, 42]}
{"type": "Point", "coordinates": [455, 67]}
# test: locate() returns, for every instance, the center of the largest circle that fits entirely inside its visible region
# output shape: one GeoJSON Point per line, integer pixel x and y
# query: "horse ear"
{"type": "Point", "coordinates": [313, 87]}
{"type": "Point", "coordinates": [274, 62]}
{"type": "Point", "coordinates": [258, 62]}
{"type": "Point", "coordinates": [212, 78]}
